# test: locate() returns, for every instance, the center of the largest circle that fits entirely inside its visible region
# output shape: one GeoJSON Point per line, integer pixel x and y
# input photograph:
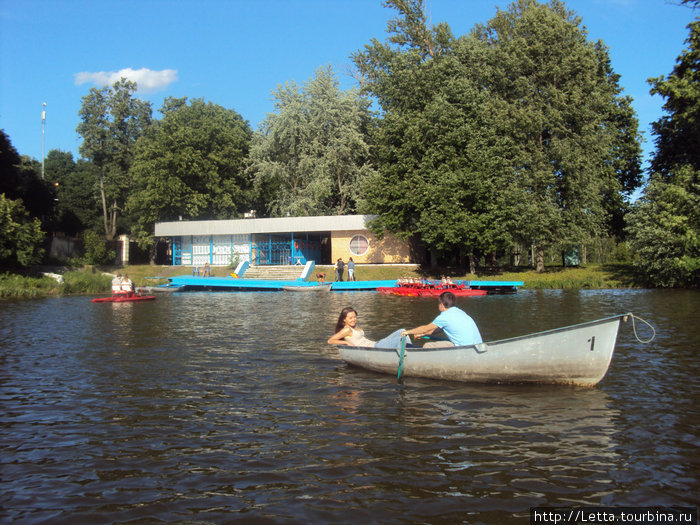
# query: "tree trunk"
{"type": "Point", "coordinates": [515, 256]}
{"type": "Point", "coordinates": [433, 258]}
{"type": "Point", "coordinates": [472, 264]}
{"type": "Point", "coordinates": [112, 226]}
{"type": "Point", "coordinates": [540, 258]}
{"type": "Point", "coordinates": [105, 217]}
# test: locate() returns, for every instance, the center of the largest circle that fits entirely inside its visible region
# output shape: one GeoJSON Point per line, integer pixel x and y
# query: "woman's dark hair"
{"type": "Point", "coordinates": [341, 320]}
{"type": "Point", "coordinates": [448, 299]}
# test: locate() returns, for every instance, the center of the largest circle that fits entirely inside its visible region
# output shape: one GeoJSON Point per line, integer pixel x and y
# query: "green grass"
{"type": "Point", "coordinates": [85, 281]}
{"type": "Point", "coordinates": [19, 286]}
{"type": "Point", "coordinates": [591, 276]}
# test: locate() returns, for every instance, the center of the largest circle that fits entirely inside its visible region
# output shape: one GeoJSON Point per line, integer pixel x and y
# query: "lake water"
{"type": "Point", "coordinates": [231, 407]}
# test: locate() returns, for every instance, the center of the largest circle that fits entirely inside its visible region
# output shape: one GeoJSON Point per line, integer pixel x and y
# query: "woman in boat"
{"type": "Point", "coordinates": [347, 332]}
{"type": "Point", "coordinates": [128, 287]}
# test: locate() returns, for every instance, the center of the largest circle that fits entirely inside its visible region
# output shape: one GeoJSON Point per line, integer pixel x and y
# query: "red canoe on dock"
{"type": "Point", "coordinates": [429, 289]}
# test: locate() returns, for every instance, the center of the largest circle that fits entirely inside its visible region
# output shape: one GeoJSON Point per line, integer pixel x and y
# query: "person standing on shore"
{"type": "Point", "coordinates": [351, 270]}
{"type": "Point", "coordinates": [339, 268]}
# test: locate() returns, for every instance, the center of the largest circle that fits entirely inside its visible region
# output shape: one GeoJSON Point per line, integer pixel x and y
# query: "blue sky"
{"type": "Point", "coordinates": [236, 52]}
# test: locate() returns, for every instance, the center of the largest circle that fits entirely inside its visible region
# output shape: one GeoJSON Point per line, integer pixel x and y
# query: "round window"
{"type": "Point", "coordinates": [359, 245]}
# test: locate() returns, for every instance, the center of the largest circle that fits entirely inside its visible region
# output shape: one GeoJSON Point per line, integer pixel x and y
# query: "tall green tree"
{"type": "Point", "coordinates": [191, 165]}
{"type": "Point", "coordinates": [678, 132]}
{"type": "Point", "coordinates": [112, 120]}
{"type": "Point", "coordinates": [433, 144]}
{"type": "Point", "coordinates": [312, 154]}
{"type": "Point", "coordinates": [516, 133]}
{"type": "Point", "coordinates": [664, 226]}
{"type": "Point", "coordinates": [573, 138]}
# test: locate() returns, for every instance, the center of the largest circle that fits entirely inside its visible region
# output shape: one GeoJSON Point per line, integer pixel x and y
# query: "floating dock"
{"type": "Point", "coordinates": [232, 284]}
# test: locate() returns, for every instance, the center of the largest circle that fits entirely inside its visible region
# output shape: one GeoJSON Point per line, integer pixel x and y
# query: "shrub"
{"type": "Point", "coordinates": [96, 251]}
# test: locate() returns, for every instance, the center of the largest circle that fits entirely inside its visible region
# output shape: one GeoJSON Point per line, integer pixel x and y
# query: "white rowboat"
{"type": "Point", "coordinates": [307, 287]}
{"type": "Point", "coordinates": [574, 355]}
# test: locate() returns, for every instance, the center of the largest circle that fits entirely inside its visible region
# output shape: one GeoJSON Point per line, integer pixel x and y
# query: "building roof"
{"type": "Point", "coordinates": [273, 225]}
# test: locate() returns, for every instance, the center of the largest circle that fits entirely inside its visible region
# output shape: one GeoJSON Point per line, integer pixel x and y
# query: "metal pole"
{"type": "Point", "coordinates": [43, 134]}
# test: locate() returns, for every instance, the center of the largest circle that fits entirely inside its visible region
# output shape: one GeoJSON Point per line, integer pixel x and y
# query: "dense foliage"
{"type": "Point", "coordinates": [664, 230]}
{"type": "Point", "coordinates": [20, 235]}
{"type": "Point", "coordinates": [95, 250]}
{"type": "Point", "coordinates": [664, 226]}
{"type": "Point", "coordinates": [24, 201]}
{"type": "Point", "coordinates": [20, 179]}
{"type": "Point", "coordinates": [678, 132]}
{"type": "Point", "coordinates": [75, 186]}
{"type": "Point", "coordinates": [112, 120]}
{"type": "Point", "coordinates": [513, 135]}
{"type": "Point", "coordinates": [189, 165]}
{"type": "Point", "coordinates": [312, 155]}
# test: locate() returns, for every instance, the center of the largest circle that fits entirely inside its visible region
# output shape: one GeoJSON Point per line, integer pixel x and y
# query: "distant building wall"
{"type": "Point", "coordinates": [218, 250]}
{"type": "Point", "coordinates": [364, 247]}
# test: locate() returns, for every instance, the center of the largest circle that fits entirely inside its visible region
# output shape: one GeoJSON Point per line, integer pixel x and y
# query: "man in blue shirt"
{"type": "Point", "coordinates": [460, 329]}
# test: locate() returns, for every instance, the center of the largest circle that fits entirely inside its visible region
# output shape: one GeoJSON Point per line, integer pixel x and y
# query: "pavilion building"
{"type": "Point", "coordinates": [281, 241]}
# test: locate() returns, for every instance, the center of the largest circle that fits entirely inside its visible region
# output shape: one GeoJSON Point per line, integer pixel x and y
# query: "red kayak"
{"type": "Point", "coordinates": [124, 298]}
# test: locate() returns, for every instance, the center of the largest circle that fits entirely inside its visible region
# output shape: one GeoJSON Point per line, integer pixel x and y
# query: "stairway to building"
{"type": "Point", "coordinates": [282, 273]}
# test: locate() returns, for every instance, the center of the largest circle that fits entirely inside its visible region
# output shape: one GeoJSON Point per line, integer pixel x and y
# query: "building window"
{"type": "Point", "coordinates": [359, 245]}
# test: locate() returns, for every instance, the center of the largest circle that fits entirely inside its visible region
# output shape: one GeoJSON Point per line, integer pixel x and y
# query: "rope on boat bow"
{"type": "Point", "coordinates": [634, 328]}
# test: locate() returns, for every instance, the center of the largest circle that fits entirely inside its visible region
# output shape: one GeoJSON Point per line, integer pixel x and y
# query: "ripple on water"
{"type": "Point", "coordinates": [210, 407]}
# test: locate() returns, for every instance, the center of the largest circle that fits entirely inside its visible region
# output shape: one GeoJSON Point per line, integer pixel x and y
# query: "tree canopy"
{"type": "Point", "coordinates": [664, 226]}
{"type": "Point", "coordinates": [678, 132]}
{"type": "Point", "coordinates": [515, 133]}
{"type": "Point", "coordinates": [112, 120]}
{"type": "Point", "coordinates": [189, 165]}
{"type": "Point", "coordinates": [20, 179]}
{"type": "Point", "coordinates": [24, 199]}
{"type": "Point", "coordinates": [312, 154]}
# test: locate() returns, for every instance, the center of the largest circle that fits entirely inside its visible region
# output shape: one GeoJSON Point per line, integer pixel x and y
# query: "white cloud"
{"type": "Point", "coordinates": [147, 80]}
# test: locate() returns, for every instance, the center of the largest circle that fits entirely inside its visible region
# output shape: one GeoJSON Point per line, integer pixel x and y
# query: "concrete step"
{"type": "Point", "coordinates": [287, 273]}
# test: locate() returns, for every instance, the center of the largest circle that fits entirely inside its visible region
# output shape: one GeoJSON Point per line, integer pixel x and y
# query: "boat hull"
{"type": "Point", "coordinates": [326, 287]}
{"type": "Point", "coordinates": [123, 299]}
{"type": "Point", "coordinates": [575, 355]}
{"type": "Point", "coordinates": [162, 288]}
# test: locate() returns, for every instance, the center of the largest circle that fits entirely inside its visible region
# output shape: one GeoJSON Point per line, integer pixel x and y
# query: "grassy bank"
{"type": "Point", "coordinates": [97, 280]}
{"type": "Point", "coordinates": [83, 281]}
{"type": "Point", "coordinates": [595, 276]}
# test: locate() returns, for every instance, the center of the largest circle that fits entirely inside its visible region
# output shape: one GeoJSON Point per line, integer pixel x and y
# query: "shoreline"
{"type": "Point", "coordinates": [96, 280]}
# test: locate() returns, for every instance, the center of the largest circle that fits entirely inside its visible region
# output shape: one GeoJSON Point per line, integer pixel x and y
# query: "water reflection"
{"type": "Point", "coordinates": [212, 407]}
